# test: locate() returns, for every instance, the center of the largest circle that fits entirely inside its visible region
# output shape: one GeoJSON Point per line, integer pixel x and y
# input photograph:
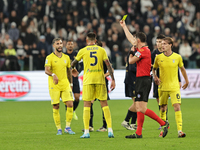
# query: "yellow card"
{"type": "Point", "coordinates": [124, 17]}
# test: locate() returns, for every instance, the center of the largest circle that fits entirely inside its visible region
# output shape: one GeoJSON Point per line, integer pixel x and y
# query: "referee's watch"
{"type": "Point", "coordinates": [71, 84]}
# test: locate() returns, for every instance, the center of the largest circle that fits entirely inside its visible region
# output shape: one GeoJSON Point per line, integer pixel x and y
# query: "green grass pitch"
{"type": "Point", "coordinates": [30, 126]}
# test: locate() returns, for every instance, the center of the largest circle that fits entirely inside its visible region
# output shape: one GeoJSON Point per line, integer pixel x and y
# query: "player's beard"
{"type": "Point", "coordinates": [70, 49]}
{"type": "Point", "coordinates": [57, 49]}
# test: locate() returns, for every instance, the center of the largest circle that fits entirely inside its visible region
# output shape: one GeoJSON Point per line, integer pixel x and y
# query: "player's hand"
{"type": "Point", "coordinates": [112, 86]}
{"type": "Point", "coordinates": [122, 23]}
{"type": "Point", "coordinates": [75, 73]}
{"type": "Point", "coordinates": [185, 85]}
{"type": "Point", "coordinates": [55, 79]}
{"type": "Point", "coordinates": [157, 80]}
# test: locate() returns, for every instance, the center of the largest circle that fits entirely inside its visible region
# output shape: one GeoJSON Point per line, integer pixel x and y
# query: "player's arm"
{"type": "Point", "coordinates": [183, 71]}
{"type": "Point", "coordinates": [155, 77]}
{"type": "Point", "coordinates": [107, 73]}
{"type": "Point", "coordinates": [74, 71]}
{"type": "Point", "coordinates": [179, 79]}
{"type": "Point", "coordinates": [129, 36]}
{"type": "Point", "coordinates": [110, 70]}
{"type": "Point", "coordinates": [73, 64]}
{"type": "Point", "coordinates": [48, 72]}
{"type": "Point", "coordinates": [69, 76]}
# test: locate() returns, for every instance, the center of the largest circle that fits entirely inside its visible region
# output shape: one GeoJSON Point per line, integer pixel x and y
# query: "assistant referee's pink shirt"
{"type": "Point", "coordinates": [144, 64]}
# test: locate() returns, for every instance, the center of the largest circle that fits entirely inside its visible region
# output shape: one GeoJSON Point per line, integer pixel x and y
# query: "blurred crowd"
{"type": "Point", "coordinates": [27, 28]}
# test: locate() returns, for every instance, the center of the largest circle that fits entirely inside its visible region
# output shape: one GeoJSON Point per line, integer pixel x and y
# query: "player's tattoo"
{"type": "Point", "coordinates": [69, 75]}
{"type": "Point", "coordinates": [110, 70]}
{"type": "Point", "coordinates": [74, 62]}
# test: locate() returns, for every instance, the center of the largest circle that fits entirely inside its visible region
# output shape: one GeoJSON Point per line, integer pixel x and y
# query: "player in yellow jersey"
{"type": "Point", "coordinates": [94, 81]}
{"type": "Point", "coordinates": [168, 63]}
{"type": "Point", "coordinates": [57, 67]}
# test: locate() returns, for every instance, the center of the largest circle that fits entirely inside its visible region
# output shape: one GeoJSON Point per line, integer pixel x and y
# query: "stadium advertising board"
{"type": "Point", "coordinates": [33, 85]}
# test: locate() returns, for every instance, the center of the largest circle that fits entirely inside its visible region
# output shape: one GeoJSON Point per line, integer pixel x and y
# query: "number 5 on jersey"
{"type": "Point", "coordinates": [92, 55]}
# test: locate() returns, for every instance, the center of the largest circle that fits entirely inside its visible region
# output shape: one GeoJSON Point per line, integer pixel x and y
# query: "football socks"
{"type": "Point", "coordinates": [155, 117]}
{"type": "Point", "coordinates": [69, 115]}
{"type": "Point", "coordinates": [86, 118]}
{"type": "Point", "coordinates": [129, 115]}
{"type": "Point", "coordinates": [91, 115]}
{"type": "Point", "coordinates": [75, 104]}
{"type": "Point", "coordinates": [107, 115]}
{"type": "Point", "coordinates": [178, 117]}
{"type": "Point", "coordinates": [134, 117]}
{"type": "Point", "coordinates": [140, 121]}
{"type": "Point", "coordinates": [56, 117]}
{"type": "Point", "coordinates": [163, 115]}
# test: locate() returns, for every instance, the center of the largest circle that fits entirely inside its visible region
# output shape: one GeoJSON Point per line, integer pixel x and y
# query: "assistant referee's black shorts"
{"type": "Point", "coordinates": [130, 90]}
{"type": "Point", "coordinates": [143, 87]}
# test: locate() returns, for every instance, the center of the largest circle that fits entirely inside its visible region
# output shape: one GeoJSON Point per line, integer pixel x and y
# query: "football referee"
{"type": "Point", "coordinates": [143, 81]}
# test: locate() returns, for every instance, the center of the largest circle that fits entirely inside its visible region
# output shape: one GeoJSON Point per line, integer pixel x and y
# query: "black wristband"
{"type": "Point", "coordinates": [132, 52]}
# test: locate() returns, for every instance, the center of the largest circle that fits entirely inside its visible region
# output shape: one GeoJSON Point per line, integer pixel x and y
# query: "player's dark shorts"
{"type": "Point", "coordinates": [130, 90]}
{"type": "Point", "coordinates": [155, 90]}
{"type": "Point", "coordinates": [76, 87]}
{"type": "Point", "coordinates": [143, 87]}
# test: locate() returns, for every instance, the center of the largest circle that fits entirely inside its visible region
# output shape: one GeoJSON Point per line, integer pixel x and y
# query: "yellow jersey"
{"type": "Point", "coordinates": [93, 57]}
{"type": "Point", "coordinates": [59, 67]}
{"type": "Point", "coordinates": [168, 73]}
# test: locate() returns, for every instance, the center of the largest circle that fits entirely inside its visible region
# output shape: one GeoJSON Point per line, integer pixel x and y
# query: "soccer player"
{"type": "Point", "coordinates": [143, 81]}
{"type": "Point", "coordinates": [129, 81]}
{"type": "Point", "coordinates": [94, 80]}
{"type": "Point", "coordinates": [153, 56]}
{"type": "Point", "coordinates": [168, 63]}
{"type": "Point", "coordinates": [106, 74]}
{"type": "Point", "coordinates": [76, 89]}
{"type": "Point", "coordinates": [57, 67]}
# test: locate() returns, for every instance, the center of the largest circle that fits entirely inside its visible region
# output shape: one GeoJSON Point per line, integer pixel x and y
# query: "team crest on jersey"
{"type": "Point", "coordinates": [173, 60]}
{"type": "Point", "coordinates": [65, 61]}
{"type": "Point", "coordinates": [137, 54]}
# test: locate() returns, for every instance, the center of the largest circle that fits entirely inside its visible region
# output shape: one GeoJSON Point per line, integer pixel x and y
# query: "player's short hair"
{"type": "Point", "coordinates": [56, 39]}
{"type": "Point", "coordinates": [70, 41]}
{"type": "Point", "coordinates": [160, 37]}
{"type": "Point", "coordinates": [169, 40]}
{"type": "Point", "coordinates": [99, 43]}
{"type": "Point", "coordinates": [91, 36]}
{"type": "Point", "coordinates": [141, 36]}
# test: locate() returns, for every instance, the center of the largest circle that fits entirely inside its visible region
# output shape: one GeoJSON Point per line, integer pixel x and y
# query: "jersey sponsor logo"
{"type": "Point", "coordinates": [137, 54]}
{"type": "Point", "coordinates": [95, 70]}
{"type": "Point", "coordinates": [13, 86]}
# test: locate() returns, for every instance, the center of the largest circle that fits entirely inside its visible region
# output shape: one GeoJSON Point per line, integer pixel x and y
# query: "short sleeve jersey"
{"type": "Point", "coordinates": [144, 64]}
{"type": "Point", "coordinates": [168, 66]}
{"type": "Point", "coordinates": [130, 76]}
{"type": "Point", "coordinates": [93, 57]}
{"type": "Point", "coordinates": [59, 67]}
